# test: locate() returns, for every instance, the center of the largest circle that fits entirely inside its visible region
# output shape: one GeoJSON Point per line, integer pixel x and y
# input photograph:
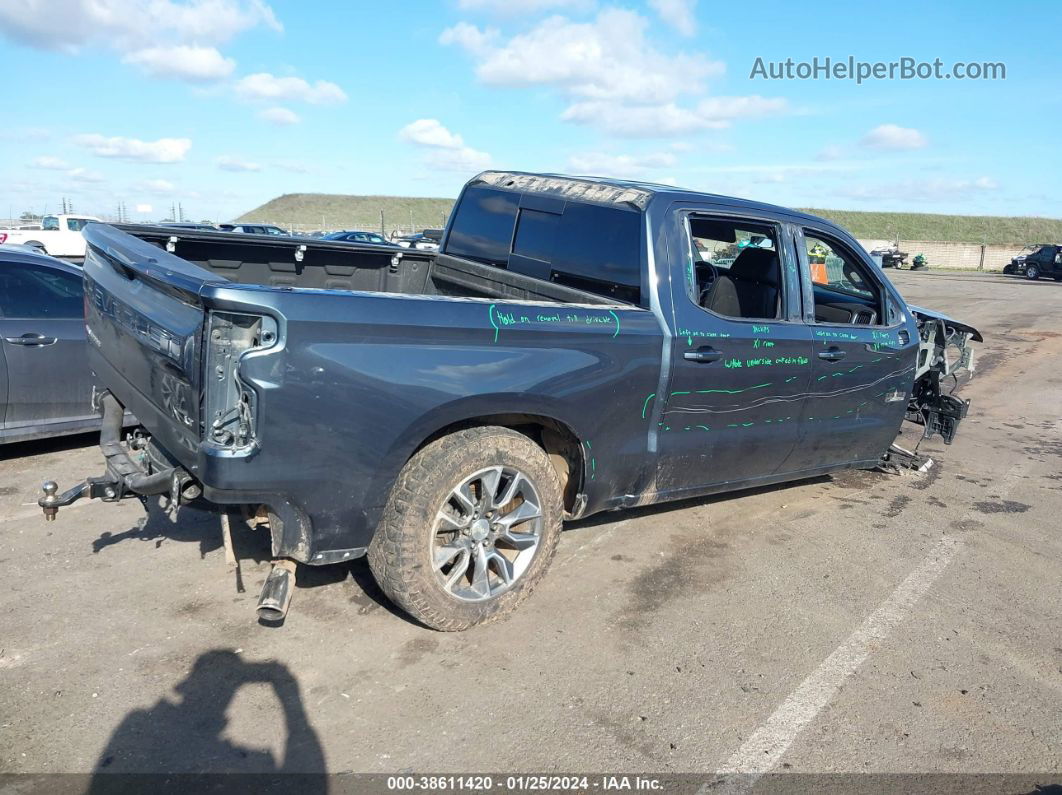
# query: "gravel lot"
{"type": "Point", "coordinates": [856, 623]}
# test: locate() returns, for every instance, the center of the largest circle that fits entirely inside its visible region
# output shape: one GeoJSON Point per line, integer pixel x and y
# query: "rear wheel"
{"type": "Point", "coordinates": [1032, 273]}
{"type": "Point", "coordinates": [470, 528]}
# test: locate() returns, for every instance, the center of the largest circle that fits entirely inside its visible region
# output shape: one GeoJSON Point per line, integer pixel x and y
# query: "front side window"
{"type": "Point", "coordinates": [843, 289]}
{"type": "Point", "coordinates": [735, 269]}
{"type": "Point", "coordinates": [30, 291]}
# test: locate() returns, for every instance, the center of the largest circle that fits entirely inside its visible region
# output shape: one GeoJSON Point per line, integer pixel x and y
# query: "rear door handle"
{"type": "Point", "coordinates": [702, 355]}
{"type": "Point", "coordinates": [32, 339]}
{"type": "Point", "coordinates": [833, 355]}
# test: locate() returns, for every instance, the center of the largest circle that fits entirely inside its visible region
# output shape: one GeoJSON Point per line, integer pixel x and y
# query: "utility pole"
{"type": "Point", "coordinates": [411, 228]}
{"type": "Point", "coordinates": [382, 222]}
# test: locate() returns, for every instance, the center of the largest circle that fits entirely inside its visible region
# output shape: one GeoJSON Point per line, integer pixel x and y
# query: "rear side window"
{"type": "Point", "coordinates": [483, 227]}
{"type": "Point", "coordinates": [586, 246]}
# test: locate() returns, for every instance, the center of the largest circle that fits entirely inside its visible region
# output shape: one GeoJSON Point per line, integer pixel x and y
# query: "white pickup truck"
{"type": "Point", "coordinates": [59, 236]}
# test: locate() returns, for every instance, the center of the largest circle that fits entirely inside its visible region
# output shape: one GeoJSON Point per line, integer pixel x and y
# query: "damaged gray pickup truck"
{"type": "Point", "coordinates": [576, 345]}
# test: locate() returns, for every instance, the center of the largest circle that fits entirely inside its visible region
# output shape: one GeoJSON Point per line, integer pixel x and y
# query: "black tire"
{"type": "Point", "coordinates": [402, 552]}
{"type": "Point", "coordinates": [1057, 278]}
{"type": "Point", "coordinates": [1032, 273]}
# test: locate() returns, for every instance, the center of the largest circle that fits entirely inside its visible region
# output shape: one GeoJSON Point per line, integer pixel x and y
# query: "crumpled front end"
{"type": "Point", "coordinates": [944, 351]}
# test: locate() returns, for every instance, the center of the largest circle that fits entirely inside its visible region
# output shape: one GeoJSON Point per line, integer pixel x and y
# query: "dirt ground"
{"type": "Point", "coordinates": [856, 623]}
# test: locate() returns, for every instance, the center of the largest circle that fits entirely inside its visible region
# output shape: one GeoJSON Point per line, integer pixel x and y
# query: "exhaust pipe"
{"type": "Point", "coordinates": [276, 593]}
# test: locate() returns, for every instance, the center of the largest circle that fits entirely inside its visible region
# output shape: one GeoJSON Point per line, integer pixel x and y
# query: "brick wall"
{"type": "Point", "coordinates": [952, 255]}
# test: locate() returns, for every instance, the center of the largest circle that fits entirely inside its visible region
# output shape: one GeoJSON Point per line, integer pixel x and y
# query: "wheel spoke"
{"type": "Point", "coordinates": [515, 486]}
{"type": "Point", "coordinates": [447, 552]}
{"type": "Point", "coordinates": [519, 540]}
{"type": "Point", "coordinates": [459, 569]}
{"type": "Point", "coordinates": [463, 494]}
{"type": "Point", "coordinates": [480, 575]}
{"type": "Point", "coordinates": [455, 523]}
{"type": "Point", "coordinates": [489, 480]}
{"type": "Point", "coordinates": [521, 513]}
{"type": "Point", "coordinates": [503, 566]}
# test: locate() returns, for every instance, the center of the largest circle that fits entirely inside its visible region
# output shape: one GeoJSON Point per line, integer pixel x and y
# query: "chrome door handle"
{"type": "Point", "coordinates": [32, 340]}
{"type": "Point", "coordinates": [833, 355]}
{"type": "Point", "coordinates": [702, 355]}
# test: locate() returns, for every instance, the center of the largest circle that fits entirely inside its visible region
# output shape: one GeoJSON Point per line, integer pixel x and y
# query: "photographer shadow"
{"type": "Point", "coordinates": [185, 737]}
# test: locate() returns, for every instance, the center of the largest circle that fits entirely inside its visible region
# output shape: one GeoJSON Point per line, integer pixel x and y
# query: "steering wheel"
{"type": "Point", "coordinates": [707, 275]}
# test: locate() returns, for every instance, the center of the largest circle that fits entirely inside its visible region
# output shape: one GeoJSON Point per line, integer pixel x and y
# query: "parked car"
{"type": "Point", "coordinates": [353, 236]}
{"type": "Point", "coordinates": [45, 382]}
{"type": "Point", "coordinates": [562, 354]}
{"type": "Point", "coordinates": [59, 236]}
{"type": "Point", "coordinates": [428, 240]}
{"type": "Point", "coordinates": [1042, 260]}
{"type": "Point", "coordinates": [254, 229]}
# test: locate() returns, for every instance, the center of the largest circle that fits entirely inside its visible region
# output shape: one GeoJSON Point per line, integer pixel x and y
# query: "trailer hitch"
{"type": "Point", "coordinates": [123, 477]}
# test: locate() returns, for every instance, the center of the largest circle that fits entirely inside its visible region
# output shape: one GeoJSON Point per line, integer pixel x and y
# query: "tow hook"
{"type": "Point", "coordinates": [93, 487]}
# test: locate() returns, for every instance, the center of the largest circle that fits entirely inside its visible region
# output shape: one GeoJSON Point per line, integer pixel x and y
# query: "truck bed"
{"type": "Point", "coordinates": [327, 265]}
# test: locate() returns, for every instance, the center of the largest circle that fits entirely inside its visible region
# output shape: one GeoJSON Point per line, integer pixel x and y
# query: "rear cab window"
{"type": "Point", "coordinates": [591, 247]}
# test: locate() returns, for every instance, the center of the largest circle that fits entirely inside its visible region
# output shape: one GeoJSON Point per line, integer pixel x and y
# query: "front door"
{"type": "Point", "coordinates": [864, 356]}
{"type": "Point", "coordinates": [42, 331]}
{"type": "Point", "coordinates": [740, 357]}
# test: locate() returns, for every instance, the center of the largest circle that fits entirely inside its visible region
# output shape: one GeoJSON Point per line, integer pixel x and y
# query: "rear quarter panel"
{"type": "Point", "coordinates": [362, 379]}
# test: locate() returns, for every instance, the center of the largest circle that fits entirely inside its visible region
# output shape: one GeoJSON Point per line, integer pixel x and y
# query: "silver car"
{"type": "Point", "coordinates": [45, 383]}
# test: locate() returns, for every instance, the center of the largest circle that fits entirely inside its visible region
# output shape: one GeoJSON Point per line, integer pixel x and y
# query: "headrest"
{"type": "Point", "coordinates": [757, 265]}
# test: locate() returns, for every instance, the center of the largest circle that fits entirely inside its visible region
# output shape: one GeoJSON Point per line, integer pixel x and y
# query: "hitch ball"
{"type": "Point", "coordinates": [49, 502]}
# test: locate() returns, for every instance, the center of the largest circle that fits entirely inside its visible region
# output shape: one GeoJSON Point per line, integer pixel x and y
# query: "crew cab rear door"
{"type": "Point", "coordinates": [865, 347]}
{"type": "Point", "coordinates": [740, 355]}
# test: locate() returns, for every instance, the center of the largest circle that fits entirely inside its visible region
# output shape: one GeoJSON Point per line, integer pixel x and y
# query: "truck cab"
{"type": "Point", "coordinates": [59, 236]}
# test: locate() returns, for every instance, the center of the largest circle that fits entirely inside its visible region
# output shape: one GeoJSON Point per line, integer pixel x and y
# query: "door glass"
{"type": "Point", "coordinates": [736, 271]}
{"type": "Point", "coordinates": [36, 292]}
{"type": "Point", "coordinates": [844, 291]}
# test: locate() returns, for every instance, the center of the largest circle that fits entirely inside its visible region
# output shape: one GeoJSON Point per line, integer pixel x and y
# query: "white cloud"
{"type": "Point", "coordinates": [610, 73]}
{"type": "Point", "coordinates": [164, 150]}
{"type": "Point", "coordinates": [679, 14]}
{"type": "Point", "coordinates": [49, 162]}
{"type": "Point", "coordinates": [182, 61]}
{"type": "Point", "coordinates": [69, 25]}
{"type": "Point", "coordinates": [607, 58]}
{"type": "Point", "coordinates": [470, 38]}
{"type": "Point", "coordinates": [264, 85]}
{"type": "Point", "coordinates": [155, 186]}
{"type": "Point", "coordinates": [893, 137]}
{"type": "Point", "coordinates": [227, 163]}
{"type": "Point", "coordinates": [430, 132]}
{"type": "Point", "coordinates": [447, 150]}
{"type": "Point", "coordinates": [279, 116]}
{"type": "Point", "coordinates": [671, 119]}
{"type": "Point", "coordinates": [143, 208]}
{"type": "Point", "coordinates": [85, 175]}
{"type": "Point", "coordinates": [938, 189]}
{"type": "Point", "coordinates": [609, 165]}
{"type": "Point", "coordinates": [513, 7]}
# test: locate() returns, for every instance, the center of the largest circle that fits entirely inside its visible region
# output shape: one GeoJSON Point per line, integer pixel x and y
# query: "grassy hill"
{"type": "Point", "coordinates": [335, 211]}
{"type": "Point", "coordinates": [996, 229]}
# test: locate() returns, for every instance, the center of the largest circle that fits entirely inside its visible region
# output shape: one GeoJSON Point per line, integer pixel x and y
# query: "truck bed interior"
{"type": "Point", "coordinates": [326, 265]}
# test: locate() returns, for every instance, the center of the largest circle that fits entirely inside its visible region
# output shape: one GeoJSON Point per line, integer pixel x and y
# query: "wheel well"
{"type": "Point", "coordinates": [559, 442]}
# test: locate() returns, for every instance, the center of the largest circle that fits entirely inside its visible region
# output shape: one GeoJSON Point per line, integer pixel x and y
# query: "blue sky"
{"type": "Point", "coordinates": [224, 104]}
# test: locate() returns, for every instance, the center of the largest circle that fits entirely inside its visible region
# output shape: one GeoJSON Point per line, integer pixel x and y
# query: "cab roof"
{"type": "Point", "coordinates": [633, 193]}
